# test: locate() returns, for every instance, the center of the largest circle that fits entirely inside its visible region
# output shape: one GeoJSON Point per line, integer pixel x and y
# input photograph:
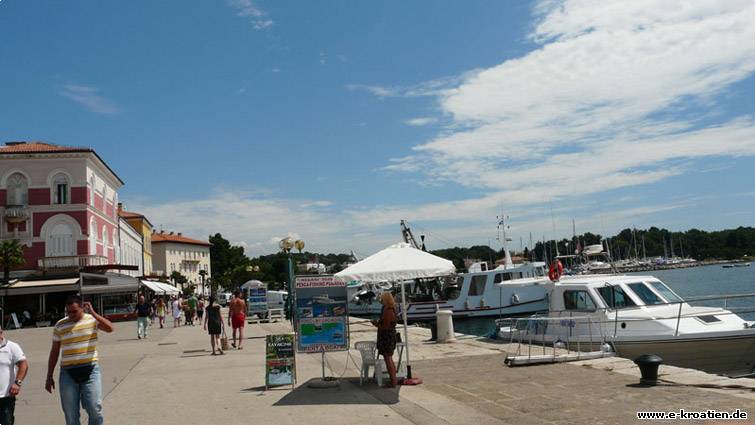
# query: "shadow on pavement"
{"type": "Point", "coordinates": [348, 392]}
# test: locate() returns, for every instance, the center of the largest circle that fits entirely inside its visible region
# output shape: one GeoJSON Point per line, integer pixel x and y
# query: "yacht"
{"type": "Point", "coordinates": [507, 290]}
{"type": "Point", "coordinates": [636, 315]}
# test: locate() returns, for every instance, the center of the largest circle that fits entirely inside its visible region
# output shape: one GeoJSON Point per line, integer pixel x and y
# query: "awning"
{"type": "Point", "coordinates": [154, 286]}
{"type": "Point", "coordinates": [43, 286]}
{"type": "Point", "coordinates": [115, 284]}
{"type": "Point", "coordinates": [169, 289]}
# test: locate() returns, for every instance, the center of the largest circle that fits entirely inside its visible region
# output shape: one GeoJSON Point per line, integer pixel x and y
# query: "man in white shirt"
{"type": "Point", "coordinates": [13, 368]}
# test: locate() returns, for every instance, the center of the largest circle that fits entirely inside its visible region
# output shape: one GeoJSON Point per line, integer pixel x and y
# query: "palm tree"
{"type": "Point", "coordinates": [11, 256]}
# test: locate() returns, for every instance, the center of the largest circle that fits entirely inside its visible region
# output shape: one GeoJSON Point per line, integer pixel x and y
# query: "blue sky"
{"type": "Point", "coordinates": [331, 121]}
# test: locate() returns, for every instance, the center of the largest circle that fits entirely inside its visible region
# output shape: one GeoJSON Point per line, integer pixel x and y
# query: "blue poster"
{"type": "Point", "coordinates": [322, 320]}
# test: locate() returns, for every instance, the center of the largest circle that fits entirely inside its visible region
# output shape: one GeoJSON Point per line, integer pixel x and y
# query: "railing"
{"type": "Point", "coordinates": [16, 213]}
{"type": "Point", "coordinates": [75, 262]}
{"type": "Point", "coordinates": [532, 331]}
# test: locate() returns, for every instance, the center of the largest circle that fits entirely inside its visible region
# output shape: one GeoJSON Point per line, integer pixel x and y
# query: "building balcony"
{"type": "Point", "coordinates": [16, 213]}
{"type": "Point", "coordinates": [70, 263]}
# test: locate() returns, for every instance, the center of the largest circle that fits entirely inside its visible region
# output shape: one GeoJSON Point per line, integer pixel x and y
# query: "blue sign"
{"type": "Point", "coordinates": [322, 320]}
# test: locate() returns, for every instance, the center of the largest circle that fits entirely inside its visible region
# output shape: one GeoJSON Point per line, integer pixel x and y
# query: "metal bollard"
{"type": "Point", "coordinates": [648, 364]}
{"type": "Point", "coordinates": [433, 330]}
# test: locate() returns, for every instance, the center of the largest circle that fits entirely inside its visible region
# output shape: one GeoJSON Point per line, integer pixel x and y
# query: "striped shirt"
{"type": "Point", "coordinates": [78, 340]}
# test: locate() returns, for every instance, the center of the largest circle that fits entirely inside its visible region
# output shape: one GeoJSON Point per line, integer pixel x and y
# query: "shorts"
{"type": "Point", "coordinates": [238, 320]}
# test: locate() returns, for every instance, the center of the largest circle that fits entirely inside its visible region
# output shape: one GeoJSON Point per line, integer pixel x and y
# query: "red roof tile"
{"type": "Point", "coordinates": [159, 237]}
{"type": "Point", "coordinates": [40, 147]}
{"type": "Point", "coordinates": [11, 148]}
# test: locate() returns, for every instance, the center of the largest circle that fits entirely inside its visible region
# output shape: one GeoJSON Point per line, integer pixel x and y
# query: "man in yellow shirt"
{"type": "Point", "coordinates": [75, 337]}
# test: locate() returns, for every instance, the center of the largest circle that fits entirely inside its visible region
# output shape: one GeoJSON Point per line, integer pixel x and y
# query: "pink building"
{"type": "Point", "coordinates": [61, 203]}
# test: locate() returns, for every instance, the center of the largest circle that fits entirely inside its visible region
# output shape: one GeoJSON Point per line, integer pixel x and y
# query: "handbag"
{"type": "Point", "coordinates": [224, 341]}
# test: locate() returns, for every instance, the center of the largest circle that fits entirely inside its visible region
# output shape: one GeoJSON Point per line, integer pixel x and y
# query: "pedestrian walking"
{"type": "Point", "coordinates": [200, 308]}
{"type": "Point", "coordinates": [74, 342]}
{"type": "Point", "coordinates": [213, 324]}
{"type": "Point", "coordinates": [237, 313]}
{"type": "Point", "coordinates": [153, 313]}
{"type": "Point", "coordinates": [13, 368]}
{"type": "Point", "coordinates": [192, 304]}
{"type": "Point", "coordinates": [176, 307]}
{"type": "Point", "coordinates": [161, 309]}
{"type": "Point", "coordinates": [143, 312]}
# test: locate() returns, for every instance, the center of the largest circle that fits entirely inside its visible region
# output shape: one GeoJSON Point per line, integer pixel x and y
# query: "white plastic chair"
{"type": "Point", "coordinates": [367, 349]}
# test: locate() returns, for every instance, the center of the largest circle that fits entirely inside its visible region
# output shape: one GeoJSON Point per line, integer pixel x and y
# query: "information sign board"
{"type": "Point", "coordinates": [280, 360]}
{"type": "Point", "coordinates": [322, 320]}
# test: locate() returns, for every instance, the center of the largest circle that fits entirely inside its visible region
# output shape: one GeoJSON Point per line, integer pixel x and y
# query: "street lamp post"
{"type": "Point", "coordinates": [286, 245]}
{"type": "Point", "coordinates": [202, 274]}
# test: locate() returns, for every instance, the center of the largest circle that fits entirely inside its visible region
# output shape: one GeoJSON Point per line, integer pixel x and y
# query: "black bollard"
{"type": "Point", "coordinates": [648, 364]}
{"type": "Point", "coordinates": [434, 330]}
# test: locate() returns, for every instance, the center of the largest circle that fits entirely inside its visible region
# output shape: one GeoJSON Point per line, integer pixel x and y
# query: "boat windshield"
{"type": "Point", "coordinates": [665, 292]}
{"type": "Point", "coordinates": [646, 294]}
{"type": "Point", "coordinates": [615, 297]}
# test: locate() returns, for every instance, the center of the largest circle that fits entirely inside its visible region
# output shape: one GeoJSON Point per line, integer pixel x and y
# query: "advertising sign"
{"type": "Point", "coordinates": [257, 300]}
{"type": "Point", "coordinates": [280, 360]}
{"type": "Point", "coordinates": [322, 320]}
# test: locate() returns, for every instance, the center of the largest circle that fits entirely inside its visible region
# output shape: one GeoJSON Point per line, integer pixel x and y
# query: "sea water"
{"type": "Point", "coordinates": [688, 283]}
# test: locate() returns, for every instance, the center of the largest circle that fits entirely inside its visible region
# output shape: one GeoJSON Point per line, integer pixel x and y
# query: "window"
{"type": "Point", "coordinates": [92, 237]}
{"type": "Point", "coordinates": [664, 290]}
{"type": "Point", "coordinates": [578, 301]}
{"type": "Point", "coordinates": [477, 285]}
{"type": "Point", "coordinates": [91, 190]}
{"type": "Point", "coordinates": [60, 189]}
{"type": "Point", "coordinates": [104, 236]}
{"type": "Point", "coordinates": [615, 297]}
{"type": "Point", "coordinates": [539, 271]}
{"type": "Point", "coordinates": [17, 189]}
{"type": "Point", "coordinates": [645, 293]}
{"type": "Point", "coordinates": [60, 242]}
{"type": "Point", "coordinates": [500, 277]}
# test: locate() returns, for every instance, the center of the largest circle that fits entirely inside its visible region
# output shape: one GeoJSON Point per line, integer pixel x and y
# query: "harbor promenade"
{"type": "Point", "coordinates": [171, 378]}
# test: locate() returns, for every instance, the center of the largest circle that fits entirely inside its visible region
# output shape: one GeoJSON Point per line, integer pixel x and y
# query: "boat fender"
{"type": "Point", "coordinates": [514, 299]}
{"type": "Point", "coordinates": [555, 271]}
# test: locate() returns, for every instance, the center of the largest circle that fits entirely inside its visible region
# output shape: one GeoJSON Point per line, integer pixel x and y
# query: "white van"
{"type": "Point", "coordinates": [224, 298]}
{"type": "Point", "coordinates": [276, 299]}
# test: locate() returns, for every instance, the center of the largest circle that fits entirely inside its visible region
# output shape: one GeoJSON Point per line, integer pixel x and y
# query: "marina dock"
{"type": "Point", "coordinates": [171, 378]}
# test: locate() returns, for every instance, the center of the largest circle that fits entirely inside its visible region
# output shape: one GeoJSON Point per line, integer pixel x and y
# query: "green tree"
{"type": "Point", "coordinates": [11, 256]}
{"type": "Point", "coordinates": [178, 278]}
{"type": "Point", "coordinates": [228, 262]}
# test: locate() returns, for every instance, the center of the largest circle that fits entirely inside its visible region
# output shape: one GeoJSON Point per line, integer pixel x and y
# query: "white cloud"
{"type": "Point", "coordinates": [247, 9]}
{"type": "Point", "coordinates": [614, 95]}
{"type": "Point", "coordinates": [436, 87]}
{"type": "Point", "coordinates": [89, 98]}
{"type": "Point", "coordinates": [420, 121]}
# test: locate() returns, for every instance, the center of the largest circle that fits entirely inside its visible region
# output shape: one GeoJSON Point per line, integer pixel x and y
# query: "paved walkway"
{"type": "Point", "coordinates": [171, 378]}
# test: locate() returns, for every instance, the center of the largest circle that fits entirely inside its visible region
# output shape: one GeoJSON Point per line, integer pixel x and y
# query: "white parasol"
{"type": "Point", "coordinates": [399, 262]}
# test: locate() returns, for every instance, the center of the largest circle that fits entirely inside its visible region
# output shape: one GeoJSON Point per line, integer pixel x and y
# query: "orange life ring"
{"type": "Point", "coordinates": [556, 270]}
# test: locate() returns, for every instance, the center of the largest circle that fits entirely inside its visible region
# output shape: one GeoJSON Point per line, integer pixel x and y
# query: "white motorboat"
{"type": "Point", "coordinates": [508, 290]}
{"type": "Point", "coordinates": [639, 315]}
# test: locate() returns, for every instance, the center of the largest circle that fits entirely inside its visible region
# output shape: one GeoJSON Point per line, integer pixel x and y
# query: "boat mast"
{"type": "Point", "coordinates": [644, 252]}
{"type": "Point", "coordinates": [532, 249]}
{"type": "Point", "coordinates": [634, 240]}
{"type": "Point", "coordinates": [406, 233]}
{"type": "Point", "coordinates": [671, 243]}
{"type": "Point", "coordinates": [502, 227]}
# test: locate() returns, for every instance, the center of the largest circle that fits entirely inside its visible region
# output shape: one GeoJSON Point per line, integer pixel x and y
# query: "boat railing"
{"type": "Point", "coordinates": [533, 330]}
